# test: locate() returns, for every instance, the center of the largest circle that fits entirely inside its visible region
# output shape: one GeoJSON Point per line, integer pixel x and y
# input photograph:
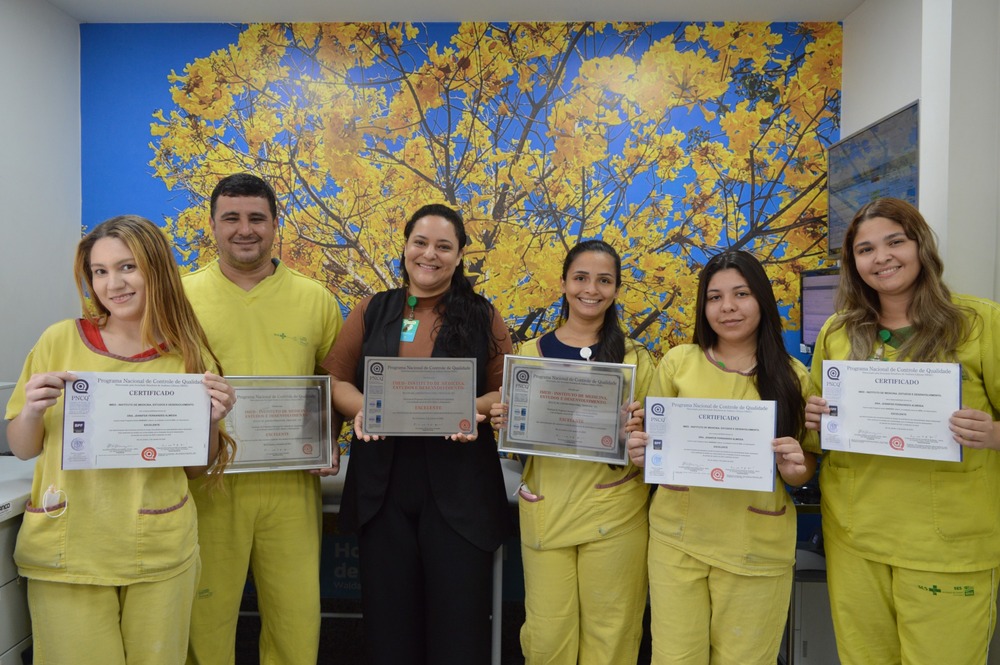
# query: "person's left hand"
{"type": "Point", "coordinates": [789, 458]}
{"type": "Point", "coordinates": [498, 416]}
{"type": "Point", "coordinates": [222, 393]}
{"type": "Point", "coordinates": [465, 438]}
{"type": "Point", "coordinates": [973, 428]}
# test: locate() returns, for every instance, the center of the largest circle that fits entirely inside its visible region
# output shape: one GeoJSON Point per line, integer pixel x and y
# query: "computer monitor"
{"type": "Point", "coordinates": [817, 301]}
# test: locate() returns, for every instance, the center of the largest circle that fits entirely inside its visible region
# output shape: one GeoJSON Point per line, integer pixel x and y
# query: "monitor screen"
{"type": "Point", "coordinates": [880, 160]}
{"type": "Point", "coordinates": [818, 301]}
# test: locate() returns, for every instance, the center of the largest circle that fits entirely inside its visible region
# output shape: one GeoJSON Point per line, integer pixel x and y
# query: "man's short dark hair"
{"type": "Point", "coordinates": [245, 184]}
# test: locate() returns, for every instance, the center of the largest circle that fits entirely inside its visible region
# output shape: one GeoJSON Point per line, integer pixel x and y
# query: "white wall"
{"type": "Point", "coordinates": [881, 62]}
{"type": "Point", "coordinates": [39, 173]}
{"type": "Point", "coordinates": [973, 167]}
{"type": "Point", "coordinates": [946, 53]}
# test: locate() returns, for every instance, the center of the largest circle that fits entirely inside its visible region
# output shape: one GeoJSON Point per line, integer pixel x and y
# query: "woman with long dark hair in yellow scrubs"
{"type": "Point", "coordinates": [720, 560]}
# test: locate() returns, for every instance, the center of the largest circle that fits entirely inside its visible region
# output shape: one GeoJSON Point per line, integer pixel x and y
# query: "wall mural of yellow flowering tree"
{"type": "Point", "coordinates": [669, 140]}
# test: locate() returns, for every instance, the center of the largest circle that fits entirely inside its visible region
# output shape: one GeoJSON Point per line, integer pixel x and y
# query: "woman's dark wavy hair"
{"type": "Point", "coordinates": [464, 314]}
{"type": "Point", "coordinates": [611, 337]}
{"type": "Point", "coordinates": [774, 375]}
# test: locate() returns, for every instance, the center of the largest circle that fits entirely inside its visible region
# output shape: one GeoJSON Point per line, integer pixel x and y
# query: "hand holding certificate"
{"type": "Point", "coordinates": [710, 443]}
{"type": "Point", "coordinates": [130, 420]}
{"type": "Point", "coordinates": [566, 408]}
{"type": "Point", "coordinates": [893, 409]}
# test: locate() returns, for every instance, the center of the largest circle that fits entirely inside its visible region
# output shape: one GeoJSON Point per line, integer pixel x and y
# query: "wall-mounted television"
{"type": "Point", "coordinates": [880, 160]}
{"type": "Point", "coordinates": [817, 302]}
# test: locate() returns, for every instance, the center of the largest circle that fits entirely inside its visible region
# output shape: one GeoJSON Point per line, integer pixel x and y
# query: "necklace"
{"type": "Point", "coordinates": [745, 372]}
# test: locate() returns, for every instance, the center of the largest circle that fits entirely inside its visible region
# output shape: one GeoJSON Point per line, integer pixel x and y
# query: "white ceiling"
{"type": "Point", "coordinates": [251, 11]}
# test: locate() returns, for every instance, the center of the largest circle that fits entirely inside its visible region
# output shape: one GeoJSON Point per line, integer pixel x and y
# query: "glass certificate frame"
{"type": "Point", "coordinates": [419, 396]}
{"type": "Point", "coordinates": [894, 409]}
{"type": "Point", "coordinates": [281, 423]}
{"type": "Point", "coordinates": [572, 409]}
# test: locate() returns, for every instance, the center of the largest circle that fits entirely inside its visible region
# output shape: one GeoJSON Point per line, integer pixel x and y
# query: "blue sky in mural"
{"type": "Point", "coordinates": [124, 69]}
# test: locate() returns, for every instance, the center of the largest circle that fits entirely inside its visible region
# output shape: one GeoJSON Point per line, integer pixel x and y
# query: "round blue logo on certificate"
{"type": "Point", "coordinates": [657, 409]}
{"type": "Point", "coordinates": [832, 427]}
{"type": "Point", "coordinates": [656, 459]}
{"type": "Point", "coordinates": [77, 444]}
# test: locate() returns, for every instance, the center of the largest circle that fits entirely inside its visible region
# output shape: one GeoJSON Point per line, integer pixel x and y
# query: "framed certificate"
{"type": "Point", "coordinates": [123, 420]}
{"type": "Point", "coordinates": [724, 443]}
{"type": "Point", "coordinates": [566, 408]}
{"type": "Point", "coordinates": [419, 396]}
{"type": "Point", "coordinates": [896, 409]}
{"type": "Point", "coordinates": [281, 423]}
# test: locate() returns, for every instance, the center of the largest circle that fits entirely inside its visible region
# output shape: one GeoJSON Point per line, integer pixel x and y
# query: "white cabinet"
{"type": "Point", "coordinates": [15, 623]}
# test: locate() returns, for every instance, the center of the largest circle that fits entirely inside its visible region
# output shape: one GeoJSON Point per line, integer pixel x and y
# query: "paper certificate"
{"type": "Point", "coordinates": [897, 409]}
{"type": "Point", "coordinates": [420, 396]}
{"type": "Point", "coordinates": [566, 408]}
{"type": "Point", "coordinates": [711, 443]}
{"type": "Point", "coordinates": [280, 423]}
{"type": "Point", "coordinates": [121, 420]}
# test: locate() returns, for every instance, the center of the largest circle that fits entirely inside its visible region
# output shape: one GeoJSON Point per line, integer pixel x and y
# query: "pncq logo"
{"type": "Point", "coordinates": [149, 454]}
{"type": "Point", "coordinates": [718, 475]}
{"type": "Point", "coordinates": [377, 369]}
{"type": "Point", "coordinates": [657, 409]}
{"type": "Point", "coordinates": [833, 373]}
{"type": "Point", "coordinates": [81, 386]}
{"type": "Point", "coordinates": [897, 443]}
{"type": "Point", "coordinates": [522, 376]}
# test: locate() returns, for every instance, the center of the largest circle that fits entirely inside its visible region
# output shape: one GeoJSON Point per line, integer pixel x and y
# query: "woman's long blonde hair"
{"type": "Point", "coordinates": [939, 325]}
{"type": "Point", "coordinates": [168, 318]}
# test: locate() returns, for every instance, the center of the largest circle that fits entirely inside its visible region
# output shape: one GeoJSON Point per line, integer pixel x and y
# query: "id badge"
{"type": "Point", "coordinates": [409, 330]}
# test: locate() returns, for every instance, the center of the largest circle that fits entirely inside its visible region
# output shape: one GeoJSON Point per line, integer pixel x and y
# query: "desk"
{"type": "Point", "coordinates": [333, 489]}
{"type": "Point", "coordinates": [15, 623]}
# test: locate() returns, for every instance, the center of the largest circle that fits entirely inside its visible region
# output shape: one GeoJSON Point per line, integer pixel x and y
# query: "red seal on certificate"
{"type": "Point", "coordinates": [897, 443]}
{"type": "Point", "coordinates": [464, 425]}
{"type": "Point", "coordinates": [307, 449]}
{"type": "Point", "coordinates": [718, 474]}
{"type": "Point", "coordinates": [149, 454]}
{"type": "Point", "coordinates": [607, 441]}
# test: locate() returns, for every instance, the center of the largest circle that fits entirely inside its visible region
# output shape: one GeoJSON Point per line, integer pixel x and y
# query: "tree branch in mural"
{"type": "Point", "coordinates": [673, 140]}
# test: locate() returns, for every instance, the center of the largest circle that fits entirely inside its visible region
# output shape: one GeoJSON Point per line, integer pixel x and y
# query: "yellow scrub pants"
{"type": "Point", "coordinates": [145, 623]}
{"type": "Point", "coordinates": [584, 604]}
{"type": "Point", "coordinates": [886, 614]}
{"type": "Point", "coordinates": [702, 614]}
{"type": "Point", "coordinates": [271, 522]}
